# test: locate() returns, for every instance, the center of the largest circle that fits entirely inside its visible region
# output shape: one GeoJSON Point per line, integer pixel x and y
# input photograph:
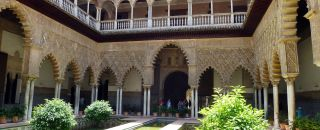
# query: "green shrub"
{"type": "Point", "coordinates": [307, 123]}
{"type": "Point", "coordinates": [3, 112]}
{"type": "Point", "coordinates": [98, 111]}
{"type": "Point", "coordinates": [17, 110]}
{"type": "Point", "coordinates": [230, 112]}
{"type": "Point", "coordinates": [53, 115]}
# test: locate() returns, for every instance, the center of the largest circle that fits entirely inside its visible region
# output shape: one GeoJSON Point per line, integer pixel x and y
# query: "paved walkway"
{"type": "Point", "coordinates": [9, 125]}
{"type": "Point", "coordinates": [139, 121]}
{"type": "Point", "coordinates": [176, 125]}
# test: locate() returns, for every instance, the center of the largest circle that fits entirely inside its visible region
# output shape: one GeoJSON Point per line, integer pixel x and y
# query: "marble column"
{"type": "Point", "coordinates": [211, 10]}
{"type": "Point", "coordinates": [96, 92]}
{"type": "Point", "coordinates": [31, 99]}
{"type": "Point", "coordinates": [265, 98]}
{"type": "Point", "coordinates": [255, 98]}
{"type": "Point", "coordinates": [231, 11]}
{"type": "Point", "coordinates": [116, 18]}
{"type": "Point", "coordinates": [192, 103]}
{"type": "Point", "coordinates": [131, 18]}
{"type": "Point", "coordinates": [26, 98]}
{"type": "Point", "coordinates": [148, 104]}
{"type": "Point", "coordinates": [260, 97]}
{"type": "Point", "coordinates": [93, 95]}
{"type": "Point", "coordinates": [149, 15]}
{"type": "Point", "coordinates": [276, 104]}
{"type": "Point", "coordinates": [144, 101]}
{"type": "Point", "coordinates": [77, 100]}
{"type": "Point", "coordinates": [117, 107]}
{"type": "Point", "coordinates": [75, 2]}
{"type": "Point", "coordinates": [196, 103]}
{"type": "Point", "coordinates": [291, 100]}
{"type": "Point", "coordinates": [190, 12]}
{"type": "Point", "coordinates": [120, 103]}
{"type": "Point", "coordinates": [58, 88]}
{"type": "Point", "coordinates": [169, 14]}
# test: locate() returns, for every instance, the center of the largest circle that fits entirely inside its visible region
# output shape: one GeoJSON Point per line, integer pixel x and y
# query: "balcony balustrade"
{"type": "Point", "coordinates": [219, 20]}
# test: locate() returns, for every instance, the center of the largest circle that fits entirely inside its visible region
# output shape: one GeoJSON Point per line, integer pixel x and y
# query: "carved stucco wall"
{"type": "Point", "coordinates": [275, 40]}
{"type": "Point", "coordinates": [223, 54]}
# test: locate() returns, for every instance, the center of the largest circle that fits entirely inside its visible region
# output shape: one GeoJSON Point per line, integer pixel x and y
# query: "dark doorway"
{"type": "Point", "coordinates": [103, 90]}
{"type": "Point", "coordinates": [175, 87]}
{"type": "Point", "coordinates": [205, 90]}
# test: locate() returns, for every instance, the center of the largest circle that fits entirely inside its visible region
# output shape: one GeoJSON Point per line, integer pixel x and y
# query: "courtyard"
{"type": "Point", "coordinates": [158, 63]}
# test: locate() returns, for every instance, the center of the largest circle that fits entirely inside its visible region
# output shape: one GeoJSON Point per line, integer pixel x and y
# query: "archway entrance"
{"type": "Point", "coordinates": [170, 76]}
{"type": "Point", "coordinates": [175, 87]}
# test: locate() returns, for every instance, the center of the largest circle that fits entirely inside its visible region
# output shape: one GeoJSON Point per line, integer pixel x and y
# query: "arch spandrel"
{"type": "Point", "coordinates": [127, 71]}
{"type": "Point", "coordinates": [155, 50]}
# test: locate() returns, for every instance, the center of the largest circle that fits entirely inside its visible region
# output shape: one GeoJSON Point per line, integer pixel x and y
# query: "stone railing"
{"type": "Point", "coordinates": [219, 20]}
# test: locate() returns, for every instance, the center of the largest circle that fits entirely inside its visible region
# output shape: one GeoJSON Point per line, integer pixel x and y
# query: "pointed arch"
{"type": "Point", "coordinates": [133, 68]}
{"type": "Point", "coordinates": [244, 68]}
{"type": "Point", "coordinates": [55, 65]}
{"type": "Point", "coordinates": [113, 76]}
{"type": "Point", "coordinates": [90, 73]}
{"type": "Point", "coordinates": [75, 70]}
{"type": "Point", "coordinates": [157, 51]}
{"type": "Point", "coordinates": [21, 13]}
{"type": "Point", "coordinates": [206, 69]}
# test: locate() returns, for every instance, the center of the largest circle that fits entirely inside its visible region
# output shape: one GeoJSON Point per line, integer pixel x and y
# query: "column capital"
{"type": "Point", "coordinates": [150, 2]}
{"type": "Point", "coordinates": [194, 86]}
{"type": "Point", "coordinates": [189, 1]}
{"type": "Point", "coordinates": [290, 80]}
{"type": "Point", "coordinates": [59, 80]}
{"type": "Point", "coordinates": [146, 86]}
{"type": "Point", "coordinates": [275, 82]}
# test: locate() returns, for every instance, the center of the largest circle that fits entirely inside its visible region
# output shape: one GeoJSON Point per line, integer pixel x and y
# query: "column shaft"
{"type": "Point", "coordinates": [149, 16]}
{"type": "Point", "coordinates": [265, 98]}
{"type": "Point", "coordinates": [144, 101]}
{"type": "Point", "coordinates": [56, 93]}
{"type": "Point", "coordinates": [196, 103]}
{"type": "Point", "coordinates": [116, 18]}
{"type": "Point", "coordinates": [231, 10]}
{"type": "Point", "coordinates": [192, 103]}
{"type": "Point", "coordinates": [59, 89]}
{"type": "Point", "coordinates": [26, 98]}
{"type": "Point", "coordinates": [131, 21]}
{"type": "Point", "coordinates": [77, 100]}
{"type": "Point", "coordinates": [190, 13]}
{"type": "Point", "coordinates": [291, 102]}
{"type": "Point", "coordinates": [148, 107]}
{"type": "Point", "coordinates": [96, 93]}
{"type": "Point", "coordinates": [92, 94]}
{"type": "Point", "coordinates": [31, 99]}
{"type": "Point", "coordinates": [169, 14]}
{"type": "Point", "coordinates": [260, 98]}
{"type": "Point", "coordinates": [117, 107]}
{"type": "Point", "coordinates": [276, 106]}
{"type": "Point", "coordinates": [255, 98]}
{"type": "Point", "coordinates": [120, 101]}
{"type": "Point", "coordinates": [211, 4]}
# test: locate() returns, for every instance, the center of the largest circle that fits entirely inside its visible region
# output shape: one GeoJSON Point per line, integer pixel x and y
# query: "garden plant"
{"type": "Point", "coordinates": [55, 114]}
{"type": "Point", "coordinates": [98, 111]}
{"type": "Point", "coordinates": [231, 112]}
